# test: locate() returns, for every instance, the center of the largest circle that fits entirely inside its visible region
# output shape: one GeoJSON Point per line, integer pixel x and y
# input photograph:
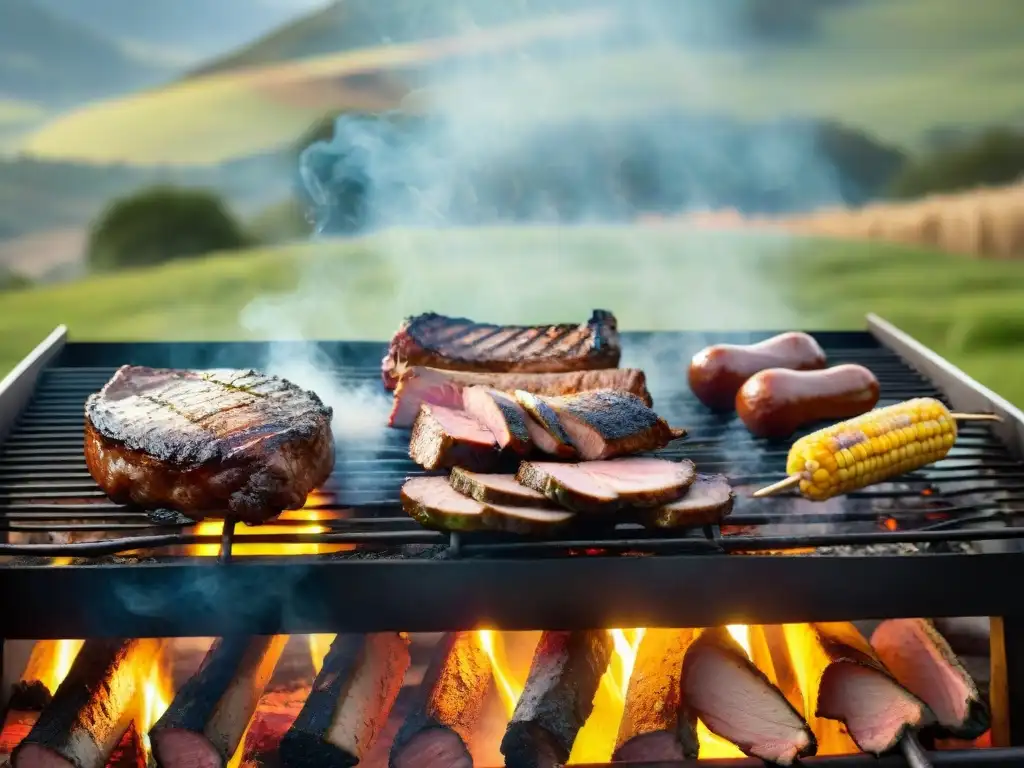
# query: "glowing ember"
{"type": "Point", "coordinates": [712, 746]}
{"type": "Point", "coordinates": [309, 513]}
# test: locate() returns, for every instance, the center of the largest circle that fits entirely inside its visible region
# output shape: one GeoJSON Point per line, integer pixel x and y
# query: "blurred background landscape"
{"type": "Point", "coordinates": [685, 163]}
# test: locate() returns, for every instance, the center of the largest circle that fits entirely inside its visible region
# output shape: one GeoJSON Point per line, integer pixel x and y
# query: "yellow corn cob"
{"type": "Point", "coordinates": [871, 448]}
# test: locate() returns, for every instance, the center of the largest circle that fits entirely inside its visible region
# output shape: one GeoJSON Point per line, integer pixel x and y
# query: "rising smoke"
{"type": "Point", "coordinates": [543, 129]}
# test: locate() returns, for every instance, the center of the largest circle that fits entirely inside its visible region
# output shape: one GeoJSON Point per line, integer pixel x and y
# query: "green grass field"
{"type": "Point", "coordinates": [970, 310]}
{"type": "Point", "coordinates": [898, 69]}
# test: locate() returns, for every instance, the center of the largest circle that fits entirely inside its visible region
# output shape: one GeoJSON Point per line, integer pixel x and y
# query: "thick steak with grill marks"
{"type": "Point", "coordinates": [207, 443]}
{"type": "Point", "coordinates": [455, 343]}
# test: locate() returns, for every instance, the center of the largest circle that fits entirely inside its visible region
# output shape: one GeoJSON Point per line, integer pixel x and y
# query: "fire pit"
{"type": "Point", "coordinates": [75, 565]}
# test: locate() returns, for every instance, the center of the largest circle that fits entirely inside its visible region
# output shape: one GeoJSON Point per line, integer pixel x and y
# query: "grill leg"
{"type": "Point", "coordinates": [1007, 685]}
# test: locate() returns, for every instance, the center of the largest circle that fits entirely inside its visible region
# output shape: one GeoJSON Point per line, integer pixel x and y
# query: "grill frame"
{"type": "Point", "coordinates": [299, 595]}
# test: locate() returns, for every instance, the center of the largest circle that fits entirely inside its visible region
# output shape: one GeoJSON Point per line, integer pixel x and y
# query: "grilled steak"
{"type": "Point", "coordinates": [444, 437]}
{"type": "Point", "coordinates": [608, 486]}
{"type": "Point", "coordinates": [455, 343]}
{"type": "Point", "coordinates": [207, 443]}
{"type": "Point", "coordinates": [435, 504]}
{"type": "Point", "coordinates": [501, 415]}
{"type": "Point", "coordinates": [608, 423]}
{"type": "Point", "coordinates": [544, 427]}
{"type": "Point", "coordinates": [496, 489]}
{"type": "Point", "coordinates": [419, 385]}
{"type": "Point", "coordinates": [707, 501]}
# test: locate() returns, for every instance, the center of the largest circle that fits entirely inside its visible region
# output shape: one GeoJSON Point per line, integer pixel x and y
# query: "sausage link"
{"type": "Point", "coordinates": [777, 402]}
{"type": "Point", "coordinates": [717, 372]}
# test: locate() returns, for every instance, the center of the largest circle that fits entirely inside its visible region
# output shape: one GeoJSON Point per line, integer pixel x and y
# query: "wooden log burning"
{"type": "Point", "coordinates": [736, 701]}
{"type": "Point", "coordinates": [91, 709]}
{"type": "Point", "coordinates": [852, 686]}
{"type": "Point", "coordinates": [558, 698]}
{"type": "Point", "coordinates": [208, 716]}
{"type": "Point", "coordinates": [34, 690]}
{"type": "Point", "coordinates": [450, 701]}
{"type": "Point", "coordinates": [922, 661]}
{"type": "Point", "coordinates": [275, 714]}
{"type": "Point", "coordinates": [349, 702]}
{"type": "Point", "coordinates": [654, 725]}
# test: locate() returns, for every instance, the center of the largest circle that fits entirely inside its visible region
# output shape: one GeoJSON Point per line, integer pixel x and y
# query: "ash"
{"type": "Point", "coordinates": [848, 550]}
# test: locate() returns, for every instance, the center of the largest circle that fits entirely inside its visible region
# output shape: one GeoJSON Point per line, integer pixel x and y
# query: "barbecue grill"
{"type": "Point", "coordinates": [940, 542]}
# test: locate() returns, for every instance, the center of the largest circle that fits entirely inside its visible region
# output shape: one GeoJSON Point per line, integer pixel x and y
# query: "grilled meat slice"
{"type": "Point", "coordinates": [443, 437]}
{"type": "Point", "coordinates": [545, 429]}
{"type": "Point", "coordinates": [608, 423]}
{"type": "Point", "coordinates": [606, 486]}
{"type": "Point", "coordinates": [435, 504]}
{"type": "Point", "coordinates": [418, 385]}
{"type": "Point", "coordinates": [707, 501]}
{"type": "Point", "coordinates": [923, 663]}
{"type": "Point", "coordinates": [496, 489]}
{"type": "Point", "coordinates": [735, 700]}
{"type": "Point", "coordinates": [455, 343]}
{"type": "Point", "coordinates": [207, 443]}
{"type": "Point", "coordinates": [501, 415]}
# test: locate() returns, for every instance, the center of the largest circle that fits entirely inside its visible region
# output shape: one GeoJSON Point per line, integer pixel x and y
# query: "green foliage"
{"type": "Point", "coordinates": [992, 159]}
{"type": "Point", "coordinates": [162, 224]}
{"type": "Point", "coordinates": [12, 281]}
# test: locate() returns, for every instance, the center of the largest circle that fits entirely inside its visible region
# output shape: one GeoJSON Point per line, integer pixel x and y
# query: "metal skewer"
{"type": "Point", "coordinates": [914, 752]}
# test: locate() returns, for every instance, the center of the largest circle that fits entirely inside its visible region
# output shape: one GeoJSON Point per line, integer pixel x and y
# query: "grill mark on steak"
{"type": "Point", "coordinates": [208, 443]}
{"type": "Point", "coordinates": [606, 423]}
{"type": "Point", "coordinates": [461, 344]}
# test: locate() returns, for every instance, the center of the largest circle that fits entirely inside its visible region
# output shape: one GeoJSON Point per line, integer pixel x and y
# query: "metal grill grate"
{"type": "Point", "coordinates": [50, 508]}
{"type": "Point", "coordinates": [46, 492]}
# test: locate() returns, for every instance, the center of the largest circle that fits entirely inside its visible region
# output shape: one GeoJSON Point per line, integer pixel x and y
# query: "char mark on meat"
{"type": "Point", "coordinates": [607, 423]}
{"type": "Point", "coordinates": [502, 415]}
{"type": "Point", "coordinates": [455, 343]}
{"type": "Point", "coordinates": [207, 443]}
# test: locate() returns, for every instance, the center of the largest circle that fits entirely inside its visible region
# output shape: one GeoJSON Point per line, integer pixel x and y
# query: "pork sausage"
{"type": "Point", "coordinates": [718, 372]}
{"type": "Point", "coordinates": [777, 402]}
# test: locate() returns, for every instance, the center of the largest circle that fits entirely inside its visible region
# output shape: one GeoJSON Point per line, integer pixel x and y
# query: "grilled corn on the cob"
{"type": "Point", "coordinates": [871, 448]}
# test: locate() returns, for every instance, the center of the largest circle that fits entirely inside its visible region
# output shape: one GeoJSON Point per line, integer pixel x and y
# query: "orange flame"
{"type": "Point", "coordinates": [155, 697]}
{"type": "Point", "coordinates": [318, 647]}
{"type": "Point", "coordinates": [308, 512]}
{"type": "Point", "coordinates": [712, 746]}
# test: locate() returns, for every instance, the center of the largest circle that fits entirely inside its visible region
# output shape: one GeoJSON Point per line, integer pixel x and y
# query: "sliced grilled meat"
{"type": "Point", "coordinates": [922, 661]}
{"type": "Point", "coordinates": [501, 415]}
{"type": "Point", "coordinates": [455, 343]}
{"type": "Point", "coordinates": [736, 701]}
{"type": "Point", "coordinates": [853, 686]}
{"type": "Point", "coordinates": [607, 423]}
{"type": "Point", "coordinates": [207, 443]}
{"type": "Point", "coordinates": [707, 501]}
{"type": "Point", "coordinates": [418, 385]}
{"type": "Point", "coordinates": [434, 504]}
{"type": "Point", "coordinates": [443, 437]}
{"type": "Point", "coordinates": [606, 486]}
{"type": "Point", "coordinates": [496, 489]}
{"type": "Point", "coordinates": [545, 429]}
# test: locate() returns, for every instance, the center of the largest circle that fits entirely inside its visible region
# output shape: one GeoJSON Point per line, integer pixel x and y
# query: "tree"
{"type": "Point", "coordinates": [162, 224]}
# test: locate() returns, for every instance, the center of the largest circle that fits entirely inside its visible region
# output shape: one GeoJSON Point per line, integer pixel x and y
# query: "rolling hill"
{"type": "Point", "coordinates": [190, 28]}
{"type": "Point", "coordinates": [47, 60]}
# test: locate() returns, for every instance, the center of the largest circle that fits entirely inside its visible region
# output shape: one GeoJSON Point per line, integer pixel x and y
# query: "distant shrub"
{"type": "Point", "coordinates": [162, 224]}
{"type": "Point", "coordinates": [12, 281]}
{"type": "Point", "coordinates": [1000, 331]}
{"type": "Point", "coordinates": [995, 158]}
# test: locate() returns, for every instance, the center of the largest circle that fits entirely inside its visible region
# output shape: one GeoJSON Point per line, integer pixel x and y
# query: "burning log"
{"type": "Point", "coordinates": [557, 699]}
{"type": "Point", "coordinates": [91, 709]}
{"type": "Point", "coordinates": [349, 702]}
{"type": "Point", "coordinates": [275, 714]}
{"type": "Point", "coordinates": [771, 655]}
{"type": "Point", "coordinates": [654, 725]}
{"type": "Point", "coordinates": [130, 753]}
{"type": "Point", "coordinates": [452, 697]}
{"type": "Point", "coordinates": [208, 716]}
{"type": "Point", "coordinates": [922, 661]}
{"type": "Point", "coordinates": [736, 701]}
{"type": "Point", "coordinates": [852, 685]}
